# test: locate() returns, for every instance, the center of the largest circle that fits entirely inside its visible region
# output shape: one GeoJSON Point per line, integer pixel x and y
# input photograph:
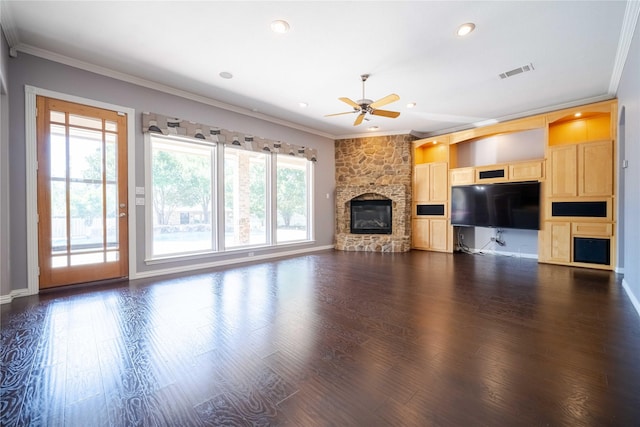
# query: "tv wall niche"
{"type": "Point", "coordinates": [514, 205]}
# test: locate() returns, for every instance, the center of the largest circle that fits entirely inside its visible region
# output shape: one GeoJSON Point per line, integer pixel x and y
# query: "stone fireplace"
{"type": "Point", "coordinates": [374, 169]}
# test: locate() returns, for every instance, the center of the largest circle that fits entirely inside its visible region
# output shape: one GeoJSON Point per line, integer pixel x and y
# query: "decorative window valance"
{"type": "Point", "coordinates": [157, 123]}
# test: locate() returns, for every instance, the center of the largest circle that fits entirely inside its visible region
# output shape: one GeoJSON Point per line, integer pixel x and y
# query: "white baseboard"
{"type": "Point", "coordinates": [244, 259]}
{"type": "Point", "coordinates": [632, 297]}
{"type": "Point", "coordinates": [5, 299]}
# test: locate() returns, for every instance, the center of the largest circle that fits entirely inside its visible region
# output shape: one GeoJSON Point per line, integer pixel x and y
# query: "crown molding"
{"type": "Point", "coordinates": [8, 24]}
{"type": "Point", "coordinates": [629, 22]}
{"type": "Point", "coordinates": [107, 72]}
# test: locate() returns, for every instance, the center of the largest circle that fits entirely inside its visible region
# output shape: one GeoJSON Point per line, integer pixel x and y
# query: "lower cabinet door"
{"type": "Point", "coordinates": [438, 236]}
{"type": "Point", "coordinates": [559, 239]}
{"type": "Point", "coordinates": [420, 233]}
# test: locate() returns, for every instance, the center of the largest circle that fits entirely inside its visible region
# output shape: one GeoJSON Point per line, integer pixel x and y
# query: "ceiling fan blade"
{"type": "Point", "coordinates": [385, 113]}
{"type": "Point", "coordinates": [339, 114]}
{"type": "Point", "coordinates": [384, 101]}
{"type": "Point", "coordinates": [350, 102]}
{"type": "Point", "coordinates": [359, 119]}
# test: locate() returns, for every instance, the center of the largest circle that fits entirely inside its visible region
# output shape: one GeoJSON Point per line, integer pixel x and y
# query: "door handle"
{"type": "Point", "coordinates": [122, 214]}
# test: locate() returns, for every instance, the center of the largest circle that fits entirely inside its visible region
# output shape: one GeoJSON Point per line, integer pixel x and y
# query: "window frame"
{"type": "Point", "coordinates": [218, 205]}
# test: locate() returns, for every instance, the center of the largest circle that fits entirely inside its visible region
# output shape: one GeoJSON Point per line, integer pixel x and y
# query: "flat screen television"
{"type": "Point", "coordinates": [503, 205]}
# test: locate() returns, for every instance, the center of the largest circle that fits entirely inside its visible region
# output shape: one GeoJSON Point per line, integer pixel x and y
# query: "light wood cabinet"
{"type": "Point", "coordinates": [438, 178]}
{"type": "Point", "coordinates": [430, 182]}
{"type": "Point", "coordinates": [430, 234]}
{"type": "Point", "coordinates": [462, 176]}
{"type": "Point", "coordinates": [595, 169]}
{"type": "Point", "coordinates": [421, 179]}
{"type": "Point", "coordinates": [581, 169]}
{"type": "Point", "coordinates": [558, 239]}
{"type": "Point", "coordinates": [563, 171]}
{"type": "Point", "coordinates": [526, 171]}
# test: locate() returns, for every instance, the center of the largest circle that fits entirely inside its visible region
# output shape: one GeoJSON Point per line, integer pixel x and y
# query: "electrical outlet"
{"type": "Point", "coordinates": [250, 254]}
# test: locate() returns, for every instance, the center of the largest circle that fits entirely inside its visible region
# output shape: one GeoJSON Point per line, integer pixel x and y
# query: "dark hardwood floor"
{"type": "Point", "coordinates": [330, 339]}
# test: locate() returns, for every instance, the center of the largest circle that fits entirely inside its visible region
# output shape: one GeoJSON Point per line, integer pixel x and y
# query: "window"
{"type": "Point", "coordinates": [245, 198]}
{"type": "Point", "coordinates": [292, 190]}
{"type": "Point", "coordinates": [182, 188]}
{"type": "Point", "coordinates": [197, 204]}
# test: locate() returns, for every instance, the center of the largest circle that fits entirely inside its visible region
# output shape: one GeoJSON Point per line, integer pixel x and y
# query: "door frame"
{"type": "Point", "coordinates": [31, 170]}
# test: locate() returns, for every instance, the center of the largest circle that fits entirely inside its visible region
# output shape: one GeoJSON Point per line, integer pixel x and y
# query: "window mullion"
{"type": "Point", "coordinates": [219, 206]}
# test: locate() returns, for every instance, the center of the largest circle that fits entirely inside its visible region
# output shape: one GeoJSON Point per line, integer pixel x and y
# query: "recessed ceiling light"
{"type": "Point", "coordinates": [465, 29]}
{"type": "Point", "coordinates": [303, 104]}
{"type": "Point", "coordinates": [577, 114]}
{"type": "Point", "coordinates": [373, 128]}
{"type": "Point", "coordinates": [411, 105]}
{"type": "Point", "coordinates": [280, 26]}
{"type": "Point", "coordinates": [226, 75]}
{"type": "Point", "coordinates": [434, 142]}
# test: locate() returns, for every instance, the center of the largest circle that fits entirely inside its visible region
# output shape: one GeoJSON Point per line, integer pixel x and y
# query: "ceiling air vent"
{"type": "Point", "coordinates": [516, 71]}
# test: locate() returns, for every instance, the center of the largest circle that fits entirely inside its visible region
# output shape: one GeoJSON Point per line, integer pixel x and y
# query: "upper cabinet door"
{"type": "Point", "coordinates": [421, 183]}
{"type": "Point", "coordinates": [595, 164]}
{"type": "Point", "coordinates": [563, 170]}
{"type": "Point", "coordinates": [438, 176]}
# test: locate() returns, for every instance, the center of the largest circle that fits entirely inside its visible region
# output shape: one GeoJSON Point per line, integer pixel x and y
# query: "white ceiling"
{"type": "Point", "coordinates": [409, 48]}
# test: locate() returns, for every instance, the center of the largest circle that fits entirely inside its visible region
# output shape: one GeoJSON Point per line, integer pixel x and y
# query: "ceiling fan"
{"type": "Point", "coordinates": [364, 105]}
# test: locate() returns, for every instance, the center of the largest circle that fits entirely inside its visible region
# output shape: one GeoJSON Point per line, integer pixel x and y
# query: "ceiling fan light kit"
{"type": "Point", "coordinates": [366, 106]}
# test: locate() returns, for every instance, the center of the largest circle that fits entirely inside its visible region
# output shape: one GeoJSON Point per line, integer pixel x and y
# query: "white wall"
{"type": "Point", "coordinates": [629, 227]}
{"type": "Point", "coordinates": [41, 73]}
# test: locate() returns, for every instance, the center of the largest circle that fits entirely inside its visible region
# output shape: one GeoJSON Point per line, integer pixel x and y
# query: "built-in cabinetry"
{"type": "Point", "coordinates": [579, 216]}
{"type": "Point", "coordinates": [430, 208]}
{"type": "Point", "coordinates": [577, 175]}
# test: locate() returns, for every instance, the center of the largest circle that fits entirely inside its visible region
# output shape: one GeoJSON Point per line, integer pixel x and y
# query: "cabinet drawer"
{"type": "Point", "coordinates": [462, 176]}
{"type": "Point", "coordinates": [526, 171]}
{"type": "Point", "coordinates": [591, 229]}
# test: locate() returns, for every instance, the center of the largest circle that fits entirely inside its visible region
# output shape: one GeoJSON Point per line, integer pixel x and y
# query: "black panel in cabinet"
{"type": "Point", "coordinates": [579, 209]}
{"type": "Point", "coordinates": [497, 173]}
{"type": "Point", "coordinates": [433, 210]}
{"type": "Point", "coordinates": [592, 251]}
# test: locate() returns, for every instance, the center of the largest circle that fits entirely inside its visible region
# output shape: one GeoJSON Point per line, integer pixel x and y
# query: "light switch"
{"type": "Point", "coordinates": [139, 201]}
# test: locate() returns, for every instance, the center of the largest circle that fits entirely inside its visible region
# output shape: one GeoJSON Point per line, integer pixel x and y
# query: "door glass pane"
{"type": "Point", "coordinates": [245, 198]}
{"type": "Point", "coordinates": [112, 212]}
{"type": "Point", "coordinates": [111, 157]}
{"type": "Point", "coordinates": [84, 259]}
{"type": "Point", "coordinates": [291, 199]}
{"type": "Point", "coordinates": [58, 151]}
{"type": "Point", "coordinates": [88, 122]}
{"type": "Point", "coordinates": [85, 204]}
{"type": "Point", "coordinates": [85, 154]}
{"type": "Point", "coordinates": [110, 126]}
{"type": "Point", "coordinates": [57, 116]}
{"type": "Point", "coordinates": [58, 216]}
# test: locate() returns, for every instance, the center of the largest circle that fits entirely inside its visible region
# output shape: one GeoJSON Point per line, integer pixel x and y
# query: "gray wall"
{"type": "Point", "coordinates": [30, 70]}
{"type": "Point", "coordinates": [5, 254]}
{"type": "Point", "coordinates": [629, 135]}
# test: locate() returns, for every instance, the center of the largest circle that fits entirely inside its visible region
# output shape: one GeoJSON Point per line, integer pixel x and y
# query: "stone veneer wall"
{"type": "Point", "coordinates": [379, 165]}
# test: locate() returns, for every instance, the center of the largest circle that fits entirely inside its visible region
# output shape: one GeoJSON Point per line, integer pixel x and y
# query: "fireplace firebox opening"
{"type": "Point", "coordinates": [371, 216]}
